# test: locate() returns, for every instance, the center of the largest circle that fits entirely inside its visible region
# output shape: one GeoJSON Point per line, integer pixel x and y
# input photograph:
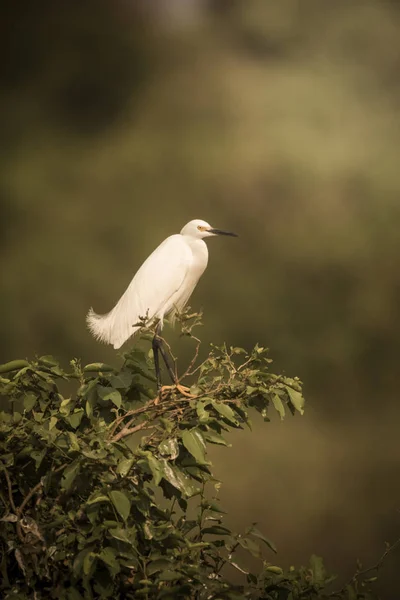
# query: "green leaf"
{"type": "Point", "coordinates": [217, 530]}
{"type": "Point", "coordinates": [178, 479]}
{"type": "Point", "coordinates": [215, 438]}
{"type": "Point", "coordinates": [13, 365]}
{"type": "Point", "coordinates": [109, 393]}
{"type": "Point", "coordinates": [157, 565]}
{"type": "Point", "coordinates": [38, 456]}
{"type": "Point", "coordinates": [109, 557]}
{"type": "Point", "coordinates": [69, 475]}
{"type": "Point", "coordinates": [74, 440]}
{"type": "Point", "coordinates": [124, 466]}
{"type": "Point", "coordinates": [257, 533]}
{"type": "Point", "coordinates": [48, 360]}
{"type": "Point", "coordinates": [251, 546]}
{"type": "Point", "coordinates": [73, 594]}
{"type": "Point", "coordinates": [75, 419]}
{"type": "Point", "coordinates": [318, 569]}
{"type": "Point", "coordinates": [97, 368]}
{"type": "Point", "coordinates": [194, 442]}
{"type": "Point", "coordinates": [78, 561]}
{"type": "Point", "coordinates": [273, 569]}
{"type": "Point", "coordinates": [156, 468]}
{"type": "Point", "coordinates": [121, 503]}
{"type": "Point", "coordinates": [226, 412]}
{"type": "Point", "coordinates": [213, 507]}
{"type": "Point", "coordinates": [29, 401]}
{"type": "Point", "coordinates": [170, 576]}
{"type": "Point", "coordinates": [278, 405]}
{"type": "Point", "coordinates": [122, 380]}
{"type": "Point", "coordinates": [88, 563]}
{"type": "Point", "coordinates": [296, 399]}
{"type": "Point", "coordinates": [202, 413]}
{"type": "Point", "coordinates": [99, 498]}
{"type": "Point", "coordinates": [120, 534]}
{"type": "Point", "coordinates": [17, 417]}
{"type": "Point", "coordinates": [169, 447]}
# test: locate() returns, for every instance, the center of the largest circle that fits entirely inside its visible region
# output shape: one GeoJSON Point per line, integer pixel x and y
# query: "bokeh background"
{"type": "Point", "coordinates": [121, 120]}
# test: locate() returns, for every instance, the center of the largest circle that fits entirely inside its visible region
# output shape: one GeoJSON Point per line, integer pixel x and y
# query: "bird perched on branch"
{"type": "Point", "coordinates": [161, 287]}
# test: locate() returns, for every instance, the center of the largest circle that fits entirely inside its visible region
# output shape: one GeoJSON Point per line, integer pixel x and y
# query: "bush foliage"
{"type": "Point", "coordinates": [107, 491]}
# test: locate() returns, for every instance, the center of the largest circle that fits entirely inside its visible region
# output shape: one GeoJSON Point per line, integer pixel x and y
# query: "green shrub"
{"type": "Point", "coordinates": [108, 493]}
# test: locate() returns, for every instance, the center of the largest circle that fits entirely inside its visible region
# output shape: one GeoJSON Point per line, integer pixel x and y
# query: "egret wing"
{"type": "Point", "coordinates": [151, 289]}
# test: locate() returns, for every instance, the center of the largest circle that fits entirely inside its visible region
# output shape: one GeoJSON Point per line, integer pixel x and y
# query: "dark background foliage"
{"type": "Point", "coordinates": [121, 121]}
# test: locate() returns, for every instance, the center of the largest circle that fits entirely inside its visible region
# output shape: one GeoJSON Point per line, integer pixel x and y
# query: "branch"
{"type": "Point", "coordinates": [193, 361]}
{"type": "Point", "coordinates": [9, 486]}
{"type": "Point", "coordinates": [136, 411]}
{"type": "Point", "coordinates": [127, 431]}
{"type": "Point", "coordinates": [374, 567]}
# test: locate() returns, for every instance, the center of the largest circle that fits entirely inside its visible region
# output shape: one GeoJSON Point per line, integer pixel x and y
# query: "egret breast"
{"type": "Point", "coordinates": [199, 263]}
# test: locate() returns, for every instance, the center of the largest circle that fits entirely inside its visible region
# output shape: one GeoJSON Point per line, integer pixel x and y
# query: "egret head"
{"type": "Point", "coordinates": [201, 229]}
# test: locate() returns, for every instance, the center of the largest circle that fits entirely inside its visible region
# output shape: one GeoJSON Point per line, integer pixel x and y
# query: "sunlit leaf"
{"type": "Point", "coordinates": [296, 399]}
{"type": "Point", "coordinates": [226, 411]}
{"type": "Point", "coordinates": [75, 418]}
{"type": "Point", "coordinates": [169, 447]}
{"type": "Point", "coordinates": [98, 498]}
{"type": "Point", "coordinates": [202, 413]}
{"type": "Point", "coordinates": [124, 466]}
{"type": "Point", "coordinates": [194, 442]}
{"type": "Point", "coordinates": [278, 405]}
{"type": "Point", "coordinates": [215, 438]}
{"type": "Point", "coordinates": [156, 469]}
{"type": "Point", "coordinates": [178, 479]}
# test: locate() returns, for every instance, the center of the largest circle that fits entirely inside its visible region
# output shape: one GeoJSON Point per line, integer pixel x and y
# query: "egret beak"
{"type": "Point", "coordinates": [220, 232]}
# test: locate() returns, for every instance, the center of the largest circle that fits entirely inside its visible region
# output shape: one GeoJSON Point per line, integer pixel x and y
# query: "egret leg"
{"type": "Point", "coordinates": [158, 347]}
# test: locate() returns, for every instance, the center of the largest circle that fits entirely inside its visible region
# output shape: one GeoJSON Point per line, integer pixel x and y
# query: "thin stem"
{"type": "Point", "coordinates": [193, 361]}
{"type": "Point", "coordinates": [126, 431]}
{"type": "Point", "coordinates": [374, 567]}
{"type": "Point", "coordinates": [9, 486]}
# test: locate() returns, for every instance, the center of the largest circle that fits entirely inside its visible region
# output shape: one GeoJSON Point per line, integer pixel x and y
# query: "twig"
{"type": "Point", "coordinates": [9, 486]}
{"type": "Point", "coordinates": [35, 489]}
{"type": "Point", "coordinates": [136, 411]}
{"type": "Point", "coordinates": [374, 567]}
{"type": "Point", "coordinates": [193, 361]}
{"type": "Point", "coordinates": [126, 431]}
{"type": "Point", "coordinates": [28, 497]}
{"type": "Point", "coordinates": [19, 510]}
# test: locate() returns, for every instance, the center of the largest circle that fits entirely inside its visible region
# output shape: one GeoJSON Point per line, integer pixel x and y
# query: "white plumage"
{"type": "Point", "coordinates": [162, 285]}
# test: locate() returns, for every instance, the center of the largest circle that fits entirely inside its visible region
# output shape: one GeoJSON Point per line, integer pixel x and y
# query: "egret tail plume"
{"type": "Point", "coordinates": [101, 326]}
{"type": "Point", "coordinates": [111, 328]}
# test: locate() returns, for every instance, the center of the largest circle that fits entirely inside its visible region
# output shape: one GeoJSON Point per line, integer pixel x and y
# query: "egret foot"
{"type": "Point", "coordinates": [182, 389]}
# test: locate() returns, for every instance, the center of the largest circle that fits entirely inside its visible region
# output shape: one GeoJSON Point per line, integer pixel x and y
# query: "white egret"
{"type": "Point", "coordinates": [161, 287]}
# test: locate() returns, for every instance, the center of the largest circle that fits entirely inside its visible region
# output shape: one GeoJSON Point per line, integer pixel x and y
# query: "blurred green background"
{"type": "Point", "coordinates": [123, 120]}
